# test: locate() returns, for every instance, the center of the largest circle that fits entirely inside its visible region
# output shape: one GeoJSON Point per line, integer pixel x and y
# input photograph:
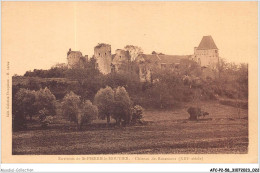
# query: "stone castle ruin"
{"type": "Point", "coordinates": [76, 59]}
{"type": "Point", "coordinates": [206, 55]}
{"type": "Point", "coordinates": [121, 60]}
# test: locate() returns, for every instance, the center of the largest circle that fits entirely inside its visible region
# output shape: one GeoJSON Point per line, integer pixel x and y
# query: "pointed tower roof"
{"type": "Point", "coordinates": [207, 42]}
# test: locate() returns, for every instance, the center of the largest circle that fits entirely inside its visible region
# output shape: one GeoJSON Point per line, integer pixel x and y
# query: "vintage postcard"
{"type": "Point", "coordinates": [129, 82]}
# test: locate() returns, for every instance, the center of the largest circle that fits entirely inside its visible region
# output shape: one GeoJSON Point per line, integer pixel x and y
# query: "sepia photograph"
{"type": "Point", "coordinates": [129, 82]}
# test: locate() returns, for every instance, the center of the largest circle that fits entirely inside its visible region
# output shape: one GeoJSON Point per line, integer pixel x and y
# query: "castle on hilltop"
{"type": "Point", "coordinates": [206, 55]}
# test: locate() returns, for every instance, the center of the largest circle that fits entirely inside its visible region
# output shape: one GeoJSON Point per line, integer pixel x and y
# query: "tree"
{"type": "Point", "coordinates": [23, 105]}
{"type": "Point", "coordinates": [168, 89]}
{"type": "Point", "coordinates": [46, 100]}
{"type": "Point", "coordinates": [25, 102]}
{"type": "Point", "coordinates": [70, 106]}
{"type": "Point", "coordinates": [242, 80]}
{"type": "Point", "coordinates": [241, 85]}
{"type": "Point", "coordinates": [222, 66]}
{"type": "Point", "coordinates": [130, 81]}
{"type": "Point", "coordinates": [122, 106]}
{"type": "Point", "coordinates": [134, 51]}
{"type": "Point", "coordinates": [104, 100]}
{"type": "Point", "coordinates": [88, 114]}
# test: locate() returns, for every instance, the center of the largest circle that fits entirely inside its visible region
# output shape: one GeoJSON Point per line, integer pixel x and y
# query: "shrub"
{"type": "Point", "coordinates": [104, 100]}
{"type": "Point", "coordinates": [196, 112]}
{"type": "Point", "coordinates": [137, 114]}
{"type": "Point", "coordinates": [44, 117]}
{"type": "Point", "coordinates": [88, 114]}
{"type": "Point", "coordinates": [70, 106]}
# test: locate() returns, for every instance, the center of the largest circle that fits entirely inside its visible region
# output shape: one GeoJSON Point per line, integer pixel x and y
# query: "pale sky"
{"type": "Point", "coordinates": [37, 35]}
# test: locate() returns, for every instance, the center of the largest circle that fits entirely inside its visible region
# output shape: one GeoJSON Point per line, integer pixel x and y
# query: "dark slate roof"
{"type": "Point", "coordinates": [207, 42]}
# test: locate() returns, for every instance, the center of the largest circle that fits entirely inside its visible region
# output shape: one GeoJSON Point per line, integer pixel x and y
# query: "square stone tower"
{"type": "Point", "coordinates": [207, 53]}
{"type": "Point", "coordinates": [102, 53]}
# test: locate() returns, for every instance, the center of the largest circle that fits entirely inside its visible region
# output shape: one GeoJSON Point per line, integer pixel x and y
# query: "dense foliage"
{"type": "Point", "coordinates": [122, 106]}
{"type": "Point", "coordinates": [31, 103]}
{"type": "Point", "coordinates": [88, 114]}
{"type": "Point", "coordinates": [45, 100]}
{"type": "Point", "coordinates": [23, 106]}
{"type": "Point", "coordinates": [174, 86]}
{"type": "Point", "coordinates": [114, 93]}
{"type": "Point", "coordinates": [71, 106]}
{"type": "Point", "coordinates": [104, 99]}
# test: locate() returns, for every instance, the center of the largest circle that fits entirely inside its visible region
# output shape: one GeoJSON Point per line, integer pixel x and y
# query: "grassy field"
{"type": "Point", "coordinates": [165, 132]}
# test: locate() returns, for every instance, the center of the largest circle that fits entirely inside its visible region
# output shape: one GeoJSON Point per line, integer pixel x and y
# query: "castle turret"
{"type": "Point", "coordinates": [102, 53]}
{"type": "Point", "coordinates": [206, 54]}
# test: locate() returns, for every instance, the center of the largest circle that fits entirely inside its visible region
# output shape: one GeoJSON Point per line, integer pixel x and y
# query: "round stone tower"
{"type": "Point", "coordinates": [76, 60]}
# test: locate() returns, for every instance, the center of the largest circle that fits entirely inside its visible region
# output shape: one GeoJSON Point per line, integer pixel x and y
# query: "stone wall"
{"type": "Point", "coordinates": [207, 58]}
